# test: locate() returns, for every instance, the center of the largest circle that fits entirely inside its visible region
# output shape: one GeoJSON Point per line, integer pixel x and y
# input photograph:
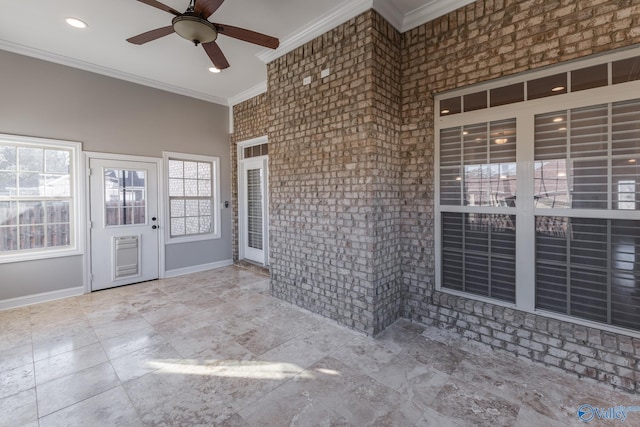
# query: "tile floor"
{"type": "Point", "coordinates": [214, 348]}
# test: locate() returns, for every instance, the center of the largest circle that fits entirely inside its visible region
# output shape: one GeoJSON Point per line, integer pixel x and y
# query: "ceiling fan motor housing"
{"type": "Point", "coordinates": [195, 29]}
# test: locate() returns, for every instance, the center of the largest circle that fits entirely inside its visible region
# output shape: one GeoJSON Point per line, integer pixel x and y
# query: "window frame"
{"type": "Point", "coordinates": [215, 197]}
{"type": "Point", "coordinates": [77, 222]}
{"type": "Point", "coordinates": [526, 212]}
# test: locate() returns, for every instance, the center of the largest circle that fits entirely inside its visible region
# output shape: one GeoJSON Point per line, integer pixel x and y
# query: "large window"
{"type": "Point", "coordinates": [193, 196]}
{"type": "Point", "coordinates": [37, 198]}
{"type": "Point", "coordinates": [538, 197]}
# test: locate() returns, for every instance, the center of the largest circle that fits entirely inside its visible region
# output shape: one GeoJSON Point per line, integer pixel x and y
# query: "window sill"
{"type": "Point", "coordinates": [39, 255]}
{"type": "Point", "coordinates": [190, 239]}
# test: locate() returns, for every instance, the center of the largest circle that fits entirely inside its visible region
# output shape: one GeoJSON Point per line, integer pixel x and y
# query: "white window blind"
{"type": "Point", "coordinates": [478, 171]}
{"type": "Point", "coordinates": [537, 200]}
{"type": "Point", "coordinates": [586, 160]}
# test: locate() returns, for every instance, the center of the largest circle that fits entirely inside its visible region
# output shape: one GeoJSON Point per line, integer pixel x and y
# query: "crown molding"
{"type": "Point", "coordinates": [430, 11]}
{"type": "Point", "coordinates": [109, 72]}
{"type": "Point", "coordinates": [349, 9]}
{"type": "Point", "coordinates": [316, 28]}
{"type": "Point", "coordinates": [258, 89]}
{"type": "Point", "coordinates": [389, 11]}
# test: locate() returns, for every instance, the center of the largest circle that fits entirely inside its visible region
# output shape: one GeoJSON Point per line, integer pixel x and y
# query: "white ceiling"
{"type": "Point", "coordinates": [37, 28]}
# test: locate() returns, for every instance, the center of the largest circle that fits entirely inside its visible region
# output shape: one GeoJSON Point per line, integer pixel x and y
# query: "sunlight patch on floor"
{"type": "Point", "coordinates": [250, 369]}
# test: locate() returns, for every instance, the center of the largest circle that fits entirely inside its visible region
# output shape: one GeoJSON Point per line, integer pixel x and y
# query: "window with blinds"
{"type": "Point", "coordinates": [537, 191]}
{"type": "Point", "coordinates": [478, 164]}
{"type": "Point", "coordinates": [479, 254]}
{"type": "Point", "coordinates": [586, 160]}
{"type": "Point", "coordinates": [478, 171]}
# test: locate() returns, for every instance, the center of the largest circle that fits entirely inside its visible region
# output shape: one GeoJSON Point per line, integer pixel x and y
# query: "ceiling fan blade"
{"type": "Point", "coordinates": [151, 35]}
{"type": "Point", "coordinates": [248, 36]}
{"type": "Point", "coordinates": [160, 6]}
{"type": "Point", "coordinates": [205, 8]}
{"type": "Point", "coordinates": [216, 55]}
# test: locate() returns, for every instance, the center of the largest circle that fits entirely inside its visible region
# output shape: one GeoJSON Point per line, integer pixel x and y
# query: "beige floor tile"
{"type": "Point", "coordinates": [180, 395]}
{"type": "Point", "coordinates": [68, 363]}
{"type": "Point", "coordinates": [111, 408]}
{"type": "Point", "coordinates": [63, 340]}
{"type": "Point", "coordinates": [12, 339]}
{"type": "Point", "coordinates": [168, 312]}
{"type": "Point", "coordinates": [66, 391]}
{"type": "Point", "coordinates": [141, 362]}
{"type": "Point", "coordinates": [111, 313]}
{"type": "Point", "coordinates": [329, 392]}
{"type": "Point", "coordinates": [14, 357]}
{"type": "Point", "coordinates": [120, 327]}
{"type": "Point", "coordinates": [129, 342]}
{"type": "Point", "coordinates": [15, 380]}
{"type": "Point", "coordinates": [222, 351]}
{"type": "Point", "coordinates": [474, 406]}
{"type": "Point", "coordinates": [19, 409]}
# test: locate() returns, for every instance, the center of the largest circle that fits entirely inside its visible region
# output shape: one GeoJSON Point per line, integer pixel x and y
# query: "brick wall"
{"type": "Point", "coordinates": [251, 120]}
{"type": "Point", "coordinates": [386, 166]}
{"type": "Point", "coordinates": [486, 40]}
{"type": "Point", "coordinates": [353, 177]}
{"type": "Point", "coordinates": [334, 170]}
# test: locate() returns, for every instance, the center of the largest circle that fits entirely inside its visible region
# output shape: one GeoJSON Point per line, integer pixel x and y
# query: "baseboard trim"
{"type": "Point", "coordinates": [197, 268]}
{"type": "Point", "coordinates": [8, 304]}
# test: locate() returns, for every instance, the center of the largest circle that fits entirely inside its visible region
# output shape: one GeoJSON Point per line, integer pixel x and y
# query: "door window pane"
{"type": "Point", "coordinates": [254, 208]}
{"type": "Point", "coordinates": [125, 197]}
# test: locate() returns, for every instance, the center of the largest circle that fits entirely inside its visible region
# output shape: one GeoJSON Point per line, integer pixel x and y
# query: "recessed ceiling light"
{"type": "Point", "coordinates": [557, 89]}
{"type": "Point", "coordinates": [501, 141]}
{"type": "Point", "coordinates": [465, 132]}
{"type": "Point", "coordinates": [76, 23]}
{"type": "Point", "coordinates": [444, 112]}
{"type": "Point", "coordinates": [562, 174]}
{"type": "Point", "coordinates": [214, 70]}
{"type": "Point", "coordinates": [558, 119]}
{"type": "Point", "coordinates": [632, 160]}
{"type": "Point", "coordinates": [458, 178]}
{"type": "Point", "coordinates": [562, 128]}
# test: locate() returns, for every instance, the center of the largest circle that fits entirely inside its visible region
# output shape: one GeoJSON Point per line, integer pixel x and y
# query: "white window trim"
{"type": "Point", "coordinates": [524, 113]}
{"type": "Point", "coordinates": [242, 232]}
{"type": "Point", "coordinates": [77, 220]}
{"type": "Point", "coordinates": [216, 209]}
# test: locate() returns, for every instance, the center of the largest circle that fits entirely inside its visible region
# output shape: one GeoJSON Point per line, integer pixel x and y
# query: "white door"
{"type": "Point", "coordinates": [253, 210]}
{"type": "Point", "coordinates": [124, 222]}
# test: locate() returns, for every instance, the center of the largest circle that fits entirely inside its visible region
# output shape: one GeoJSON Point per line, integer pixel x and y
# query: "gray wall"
{"type": "Point", "coordinates": [48, 100]}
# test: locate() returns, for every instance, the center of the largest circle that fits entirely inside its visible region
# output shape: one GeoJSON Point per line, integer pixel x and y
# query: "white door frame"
{"type": "Point", "coordinates": [89, 155]}
{"type": "Point", "coordinates": [242, 196]}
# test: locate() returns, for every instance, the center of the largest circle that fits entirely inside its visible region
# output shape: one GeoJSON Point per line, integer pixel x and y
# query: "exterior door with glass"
{"type": "Point", "coordinates": [124, 222]}
{"type": "Point", "coordinates": [253, 210]}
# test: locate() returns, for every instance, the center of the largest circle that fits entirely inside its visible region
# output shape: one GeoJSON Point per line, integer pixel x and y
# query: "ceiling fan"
{"type": "Point", "coordinates": [194, 26]}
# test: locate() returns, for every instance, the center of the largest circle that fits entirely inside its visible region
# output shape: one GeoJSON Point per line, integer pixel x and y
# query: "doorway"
{"type": "Point", "coordinates": [253, 205]}
{"type": "Point", "coordinates": [124, 224]}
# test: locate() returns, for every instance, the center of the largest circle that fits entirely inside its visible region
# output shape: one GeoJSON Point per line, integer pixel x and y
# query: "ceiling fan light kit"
{"type": "Point", "coordinates": [193, 25]}
{"type": "Point", "coordinates": [195, 29]}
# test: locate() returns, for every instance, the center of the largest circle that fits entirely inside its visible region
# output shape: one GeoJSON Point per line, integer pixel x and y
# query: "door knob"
{"type": "Point", "coordinates": [153, 227]}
